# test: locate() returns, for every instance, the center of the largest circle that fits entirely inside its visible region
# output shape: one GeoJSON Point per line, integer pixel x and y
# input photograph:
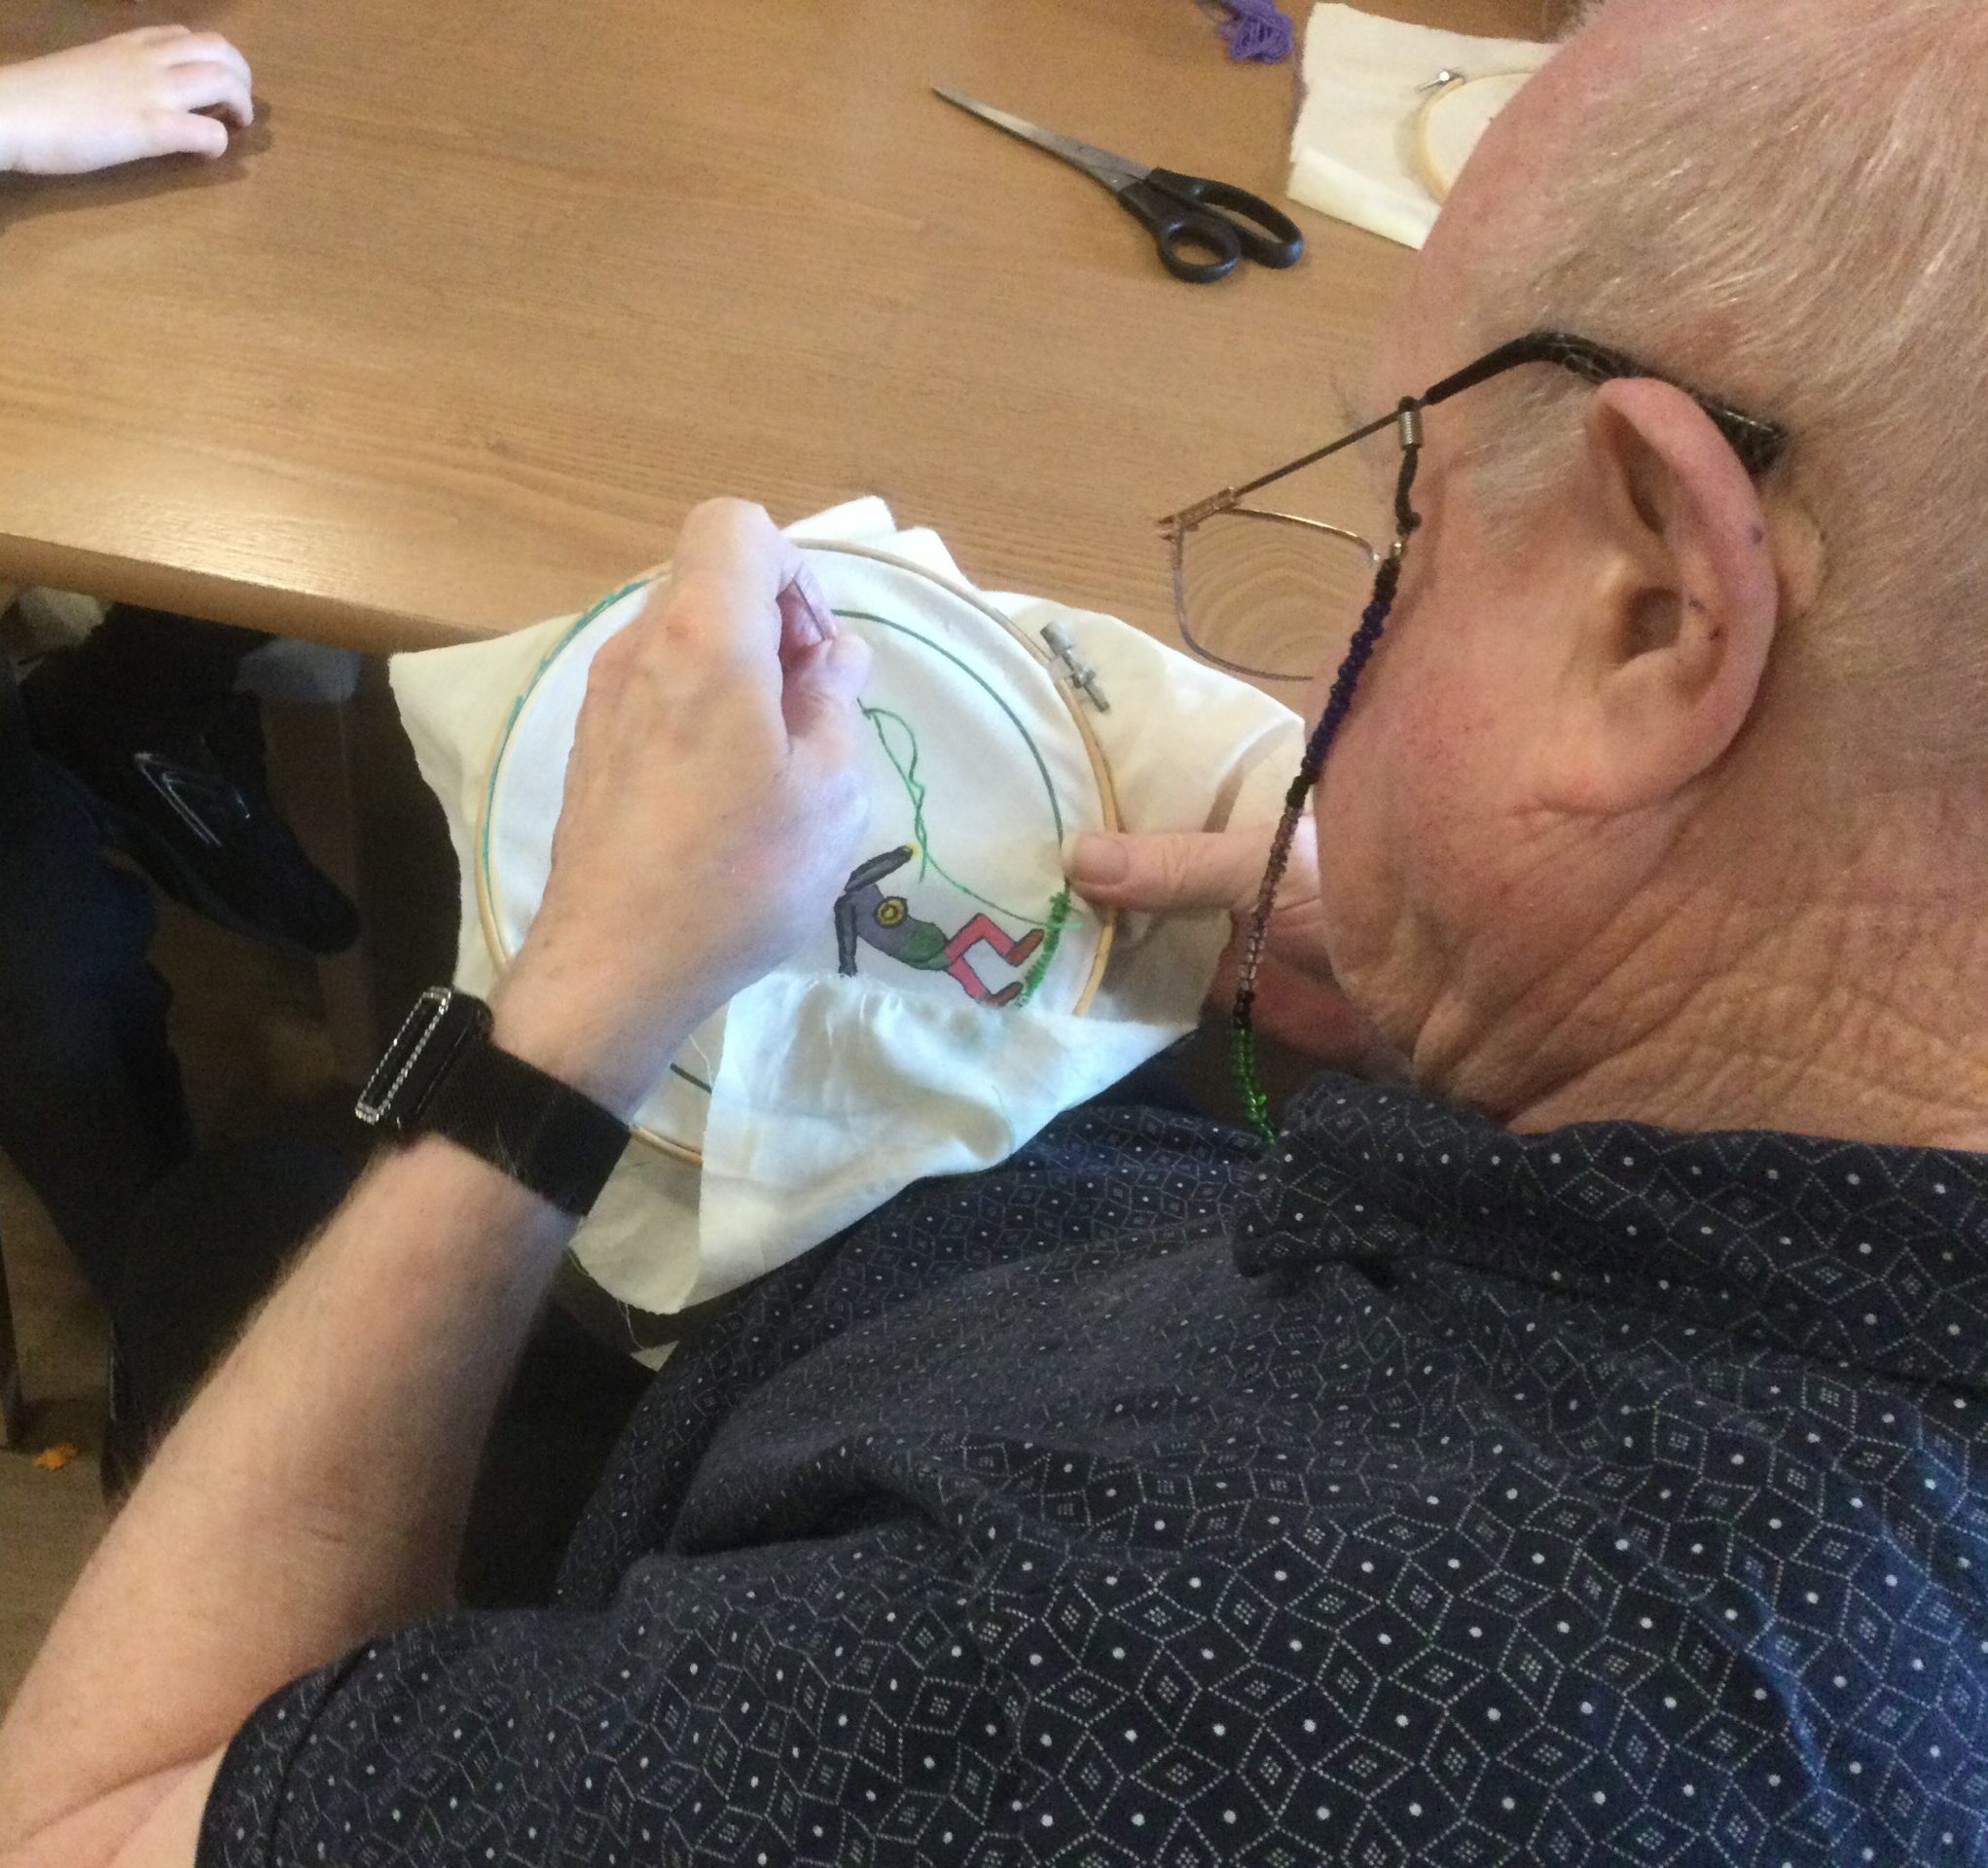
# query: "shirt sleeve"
{"type": "Point", "coordinates": [834, 1612]}
{"type": "Point", "coordinates": [849, 1698]}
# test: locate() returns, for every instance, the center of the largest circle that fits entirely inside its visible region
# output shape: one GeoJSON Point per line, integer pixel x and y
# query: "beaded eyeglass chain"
{"type": "Point", "coordinates": [1373, 620]}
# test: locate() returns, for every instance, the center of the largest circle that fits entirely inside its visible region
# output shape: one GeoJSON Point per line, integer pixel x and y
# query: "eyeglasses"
{"type": "Point", "coordinates": [1759, 444]}
{"type": "Point", "coordinates": [1258, 591]}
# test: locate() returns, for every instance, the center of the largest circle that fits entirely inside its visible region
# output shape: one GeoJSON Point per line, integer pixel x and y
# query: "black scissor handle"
{"type": "Point", "coordinates": [1180, 230]}
{"type": "Point", "coordinates": [1266, 235]}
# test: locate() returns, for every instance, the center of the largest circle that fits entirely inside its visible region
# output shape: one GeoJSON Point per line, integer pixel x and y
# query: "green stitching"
{"type": "Point", "coordinates": [979, 681]}
{"type": "Point", "coordinates": [1061, 911]}
{"type": "Point", "coordinates": [1051, 937]}
{"type": "Point", "coordinates": [915, 790]}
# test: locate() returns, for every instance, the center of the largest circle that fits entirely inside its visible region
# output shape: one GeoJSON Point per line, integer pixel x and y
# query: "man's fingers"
{"type": "Point", "coordinates": [838, 672]}
{"type": "Point", "coordinates": [819, 699]}
{"type": "Point", "coordinates": [825, 724]}
{"type": "Point", "coordinates": [728, 579]}
{"type": "Point", "coordinates": [731, 544]}
{"type": "Point", "coordinates": [1188, 869]}
{"type": "Point", "coordinates": [805, 616]}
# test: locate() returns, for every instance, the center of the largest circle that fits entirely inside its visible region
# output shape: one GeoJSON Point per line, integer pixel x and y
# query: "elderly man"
{"type": "Point", "coordinates": [1572, 1459]}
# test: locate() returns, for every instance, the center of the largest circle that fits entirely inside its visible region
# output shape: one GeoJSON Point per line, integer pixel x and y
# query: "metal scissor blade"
{"type": "Point", "coordinates": [1114, 171]}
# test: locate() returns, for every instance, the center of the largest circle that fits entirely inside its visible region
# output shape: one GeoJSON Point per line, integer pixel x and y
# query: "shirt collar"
{"type": "Point", "coordinates": [1873, 1257]}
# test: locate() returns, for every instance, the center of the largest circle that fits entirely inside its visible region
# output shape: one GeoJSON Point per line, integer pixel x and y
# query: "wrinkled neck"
{"type": "Point", "coordinates": [1747, 1001]}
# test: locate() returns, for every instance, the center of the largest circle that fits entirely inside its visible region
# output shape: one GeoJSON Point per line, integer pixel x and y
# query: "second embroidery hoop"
{"type": "Point", "coordinates": [1436, 166]}
{"type": "Point", "coordinates": [675, 1139]}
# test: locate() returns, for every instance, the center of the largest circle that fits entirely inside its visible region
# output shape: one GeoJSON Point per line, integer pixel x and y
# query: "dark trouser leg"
{"type": "Point", "coordinates": [211, 1242]}
{"type": "Point", "coordinates": [146, 714]}
{"type": "Point", "coordinates": [90, 1110]}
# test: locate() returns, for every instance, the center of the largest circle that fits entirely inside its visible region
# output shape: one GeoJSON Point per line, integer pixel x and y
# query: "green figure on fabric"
{"type": "Point", "coordinates": [864, 914]}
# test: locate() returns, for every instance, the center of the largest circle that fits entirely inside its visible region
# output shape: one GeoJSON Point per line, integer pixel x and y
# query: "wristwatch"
{"type": "Point", "coordinates": [442, 1075]}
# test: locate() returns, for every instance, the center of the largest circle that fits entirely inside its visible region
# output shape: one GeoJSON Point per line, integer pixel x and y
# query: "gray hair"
{"type": "Point", "coordinates": [1786, 203]}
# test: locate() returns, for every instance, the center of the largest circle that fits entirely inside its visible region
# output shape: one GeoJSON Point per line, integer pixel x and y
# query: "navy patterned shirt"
{"type": "Point", "coordinates": [1416, 1493]}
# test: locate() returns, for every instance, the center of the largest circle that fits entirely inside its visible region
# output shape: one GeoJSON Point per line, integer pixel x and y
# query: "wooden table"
{"type": "Point", "coordinates": [496, 289]}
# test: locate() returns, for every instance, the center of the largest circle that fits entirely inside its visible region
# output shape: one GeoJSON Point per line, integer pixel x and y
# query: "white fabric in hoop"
{"type": "Point", "coordinates": [829, 1092]}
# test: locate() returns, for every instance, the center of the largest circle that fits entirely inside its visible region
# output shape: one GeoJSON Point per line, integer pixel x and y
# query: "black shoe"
{"type": "Point", "coordinates": [174, 760]}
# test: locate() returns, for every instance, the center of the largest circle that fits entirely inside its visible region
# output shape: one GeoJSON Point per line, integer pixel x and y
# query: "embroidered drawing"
{"type": "Point", "coordinates": [900, 746]}
{"type": "Point", "coordinates": [932, 949]}
{"type": "Point", "coordinates": [864, 914]}
{"type": "Point", "coordinates": [985, 810]}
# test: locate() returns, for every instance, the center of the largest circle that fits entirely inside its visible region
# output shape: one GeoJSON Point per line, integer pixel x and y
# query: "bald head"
{"type": "Point", "coordinates": [1781, 202]}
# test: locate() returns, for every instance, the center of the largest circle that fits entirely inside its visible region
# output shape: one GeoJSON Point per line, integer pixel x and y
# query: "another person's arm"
{"type": "Point", "coordinates": [154, 92]}
{"type": "Point", "coordinates": [315, 1493]}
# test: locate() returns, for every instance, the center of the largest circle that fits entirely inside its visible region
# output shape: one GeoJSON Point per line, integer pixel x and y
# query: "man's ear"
{"type": "Point", "coordinates": [1680, 612]}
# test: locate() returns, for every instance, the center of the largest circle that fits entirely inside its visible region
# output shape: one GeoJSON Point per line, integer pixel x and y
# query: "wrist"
{"type": "Point", "coordinates": [605, 1050]}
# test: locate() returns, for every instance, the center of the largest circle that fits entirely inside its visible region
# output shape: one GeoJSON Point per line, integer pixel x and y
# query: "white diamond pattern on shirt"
{"type": "Point", "coordinates": [1594, 1497]}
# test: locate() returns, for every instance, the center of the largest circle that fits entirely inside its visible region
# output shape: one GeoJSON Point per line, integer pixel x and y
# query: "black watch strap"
{"type": "Point", "coordinates": [443, 1075]}
{"type": "Point", "coordinates": [543, 1134]}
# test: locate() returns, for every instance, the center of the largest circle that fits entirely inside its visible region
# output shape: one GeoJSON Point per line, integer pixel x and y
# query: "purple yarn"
{"type": "Point", "coordinates": [1259, 30]}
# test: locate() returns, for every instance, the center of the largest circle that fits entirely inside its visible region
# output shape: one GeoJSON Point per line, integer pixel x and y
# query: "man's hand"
{"type": "Point", "coordinates": [122, 99]}
{"type": "Point", "coordinates": [1178, 872]}
{"type": "Point", "coordinates": [713, 808]}
{"type": "Point", "coordinates": [712, 811]}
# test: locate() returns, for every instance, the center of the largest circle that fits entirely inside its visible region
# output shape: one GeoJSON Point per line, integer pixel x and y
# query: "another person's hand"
{"type": "Point", "coordinates": [138, 94]}
{"type": "Point", "coordinates": [713, 810]}
{"type": "Point", "coordinates": [1178, 872]}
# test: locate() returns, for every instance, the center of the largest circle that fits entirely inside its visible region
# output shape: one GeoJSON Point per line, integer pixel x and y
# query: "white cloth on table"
{"type": "Point", "coordinates": [831, 1093]}
{"type": "Point", "coordinates": [1353, 149]}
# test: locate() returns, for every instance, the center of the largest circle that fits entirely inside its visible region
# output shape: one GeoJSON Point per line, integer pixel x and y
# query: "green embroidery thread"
{"type": "Point", "coordinates": [1243, 1066]}
{"type": "Point", "coordinates": [1062, 913]}
{"type": "Point", "coordinates": [986, 687]}
{"type": "Point", "coordinates": [906, 768]}
{"type": "Point", "coordinates": [1052, 935]}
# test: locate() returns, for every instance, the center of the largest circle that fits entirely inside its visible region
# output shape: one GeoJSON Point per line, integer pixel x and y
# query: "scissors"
{"type": "Point", "coordinates": [1183, 212]}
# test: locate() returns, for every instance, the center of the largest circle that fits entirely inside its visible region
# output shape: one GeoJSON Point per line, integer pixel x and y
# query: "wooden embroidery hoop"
{"type": "Point", "coordinates": [1107, 797]}
{"type": "Point", "coordinates": [1447, 83]}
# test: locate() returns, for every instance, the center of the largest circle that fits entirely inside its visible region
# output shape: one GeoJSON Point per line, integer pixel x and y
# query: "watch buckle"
{"type": "Point", "coordinates": [376, 1106]}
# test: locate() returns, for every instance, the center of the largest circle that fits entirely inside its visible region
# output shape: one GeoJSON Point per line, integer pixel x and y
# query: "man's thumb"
{"type": "Point", "coordinates": [1178, 869]}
